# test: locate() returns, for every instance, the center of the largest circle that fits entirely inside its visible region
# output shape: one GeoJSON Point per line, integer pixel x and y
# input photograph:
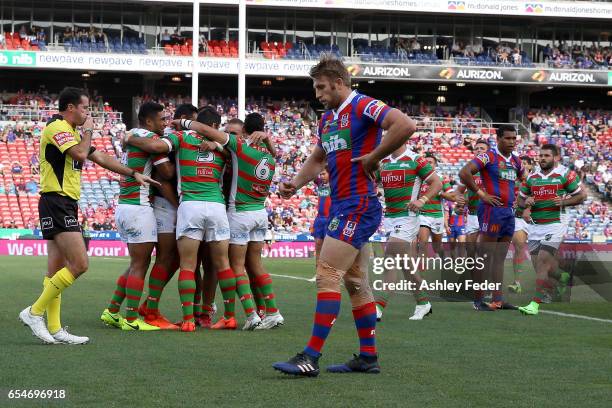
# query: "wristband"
{"type": "Point", "coordinates": [90, 130]}
{"type": "Point", "coordinates": [186, 123]}
{"type": "Point", "coordinates": [424, 199]}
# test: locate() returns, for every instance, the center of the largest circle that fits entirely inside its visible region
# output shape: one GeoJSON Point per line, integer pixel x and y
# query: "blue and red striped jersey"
{"type": "Point", "coordinates": [499, 174]}
{"type": "Point", "coordinates": [350, 132]}
{"type": "Point", "coordinates": [324, 200]}
{"type": "Point", "coordinates": [455, 219]}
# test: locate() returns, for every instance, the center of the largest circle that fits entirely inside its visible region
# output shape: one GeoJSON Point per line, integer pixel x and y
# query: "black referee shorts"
{"type": "Point", "coordinates": [57, 214]}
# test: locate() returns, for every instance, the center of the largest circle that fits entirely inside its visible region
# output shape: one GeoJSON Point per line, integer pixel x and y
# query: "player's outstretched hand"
{"type": "Point", "coordinates": [558, 201]}
{"type": "Point", "coordinates": [529, 201]}
{"type": "Point", "coordinates": [146, 180]}
{"type": "Point", "coordinates": [257, 137]}
{"type": "Point", "coordinates": [489, 199]}
{"type": "Point", "coordinates": [287, 189]}
{"type": "Point", "coordinates": [369, 164]}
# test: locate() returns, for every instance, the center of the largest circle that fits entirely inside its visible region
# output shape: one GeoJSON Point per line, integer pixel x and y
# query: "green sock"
{"type": "Point", "coordinates": [227, 283]}
{"type": "Point", "coordinates": [187, 289]}
{"type": "Point", "coordinates": [244, 293]}
{"type": "Point", "coordinates": [265, 285]}
{"type": "Point", "coordinates": [118, 295]}
{"type": "Point", "coordinates": [157, 281]}
{"type": "Point", "coordinates": [133, 292]}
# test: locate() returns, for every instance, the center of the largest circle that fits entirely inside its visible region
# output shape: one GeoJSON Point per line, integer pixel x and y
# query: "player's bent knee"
{"type": "Point", "coordinates": [358, 288]}
{"type": "Point", "coordinates": [328, 278]}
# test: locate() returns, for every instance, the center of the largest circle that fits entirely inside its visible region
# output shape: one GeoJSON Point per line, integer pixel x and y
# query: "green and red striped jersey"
{"type": "Point", "coordinates": [544, 188]}
{"type": "Point", "coordinates": [252, 172]}
{"type": "Point", "coordinates": [130, 191]}
{"type": "Point", "coordinates": [433, 208]}
{"type": "Point", "coordinates": [401, 178]}
{"type": "Point", "coordinates": [199, 172]}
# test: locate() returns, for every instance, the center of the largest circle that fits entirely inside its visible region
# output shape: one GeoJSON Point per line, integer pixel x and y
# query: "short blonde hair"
{"type": "Point", "coordinates": [332, 68]}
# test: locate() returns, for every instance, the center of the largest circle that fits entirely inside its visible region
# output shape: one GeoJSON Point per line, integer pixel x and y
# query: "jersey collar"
{"type": "Point", "coordinates": [553, 171]}
{"type": "Point", "coordinates": [348, 100]}
{"type": "Point", "coordinates": [395, 159]}
{"type": "Point", "coordinates": [505, 158]}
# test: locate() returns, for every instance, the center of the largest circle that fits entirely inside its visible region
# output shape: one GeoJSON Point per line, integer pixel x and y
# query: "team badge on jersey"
{"type": "Point", "coordinates": [373, 109]}
{"type": "Point", "coordinates": [344, 120]}
{"type": "Point", "coordinates": [349, 229]}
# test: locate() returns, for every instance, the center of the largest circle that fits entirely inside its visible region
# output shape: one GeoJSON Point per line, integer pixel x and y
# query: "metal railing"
{"type": "Point", "coordinates": [456, 125]}
{"type": "Point", "coordinates": [33, 113]}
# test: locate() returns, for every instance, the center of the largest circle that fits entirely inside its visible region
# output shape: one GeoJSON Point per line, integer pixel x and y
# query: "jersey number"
{"type": "Point", "coordinates": [262, 171]}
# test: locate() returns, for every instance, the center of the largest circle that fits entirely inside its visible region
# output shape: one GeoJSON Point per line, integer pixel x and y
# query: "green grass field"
{"type": "Point", "coordinates": [456, 357]}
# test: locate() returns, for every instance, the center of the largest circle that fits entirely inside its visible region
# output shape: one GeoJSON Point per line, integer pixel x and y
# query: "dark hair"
{"type": "Point", "coordinates": [482, 141]}
{"type": "Point", "coordinates": [70, 95]}
{"type": "Point", "coordinates": [527, 160]}
{"type": "Point", "coordinates": [208, 115]}
{"type": "Point", "coordinates": [553, 148]}
{"type": "Point", "coordinates": [185, 109]}
{"type": "Point", "coordinates": [148, 110]}
{"type": "Point", "coordinates": [433, 156]}
{"type": "Point", "coordinates": [235, 121]}
{"type": "Point", "coordinates": [331, 68]}
{"type": "Point", "coordinates": [253, 122]}
{"type": "Point", "coordinates": [505, 128]}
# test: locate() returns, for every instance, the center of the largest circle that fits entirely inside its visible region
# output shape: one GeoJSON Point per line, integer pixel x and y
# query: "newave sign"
{"type": "Point", "coordinates": [158, 63]}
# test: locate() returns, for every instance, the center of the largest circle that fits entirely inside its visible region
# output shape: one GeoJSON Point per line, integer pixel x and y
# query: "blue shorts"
{"type": "Point", "coordinates": [457, 231]}
{"type": "Point", "coordinates": [354, 220]}
{"type": "Point", "coordinates": [319, 226]}
{"type": "Point", "coordinates": [496, 221]}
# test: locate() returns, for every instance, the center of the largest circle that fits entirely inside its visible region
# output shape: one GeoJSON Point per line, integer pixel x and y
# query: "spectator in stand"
{"type": "Point", "coordinates": [31, 187]}
{"type": "Point", "coordinates": [23, 32]}
{"type": "Point", "coordinates": [16, 168]}
{"type": "Point", "coordinates": [165, 38]}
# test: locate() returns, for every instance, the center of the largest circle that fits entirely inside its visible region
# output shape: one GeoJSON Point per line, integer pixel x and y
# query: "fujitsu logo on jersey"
{"type": "Point", "coordinates": [393, 178]}
{"type": "Point", "coordinates": [204, 171]}
{"type": "Point", "coordinates": [334, 143]}
{"type": "Point", "coordinates": [544, 192]}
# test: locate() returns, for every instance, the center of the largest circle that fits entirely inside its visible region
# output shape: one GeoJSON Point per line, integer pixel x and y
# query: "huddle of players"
{"type": "Point", "coordinates": [191, 222]}
{"type": "Point", "coordinates": [503, 201]}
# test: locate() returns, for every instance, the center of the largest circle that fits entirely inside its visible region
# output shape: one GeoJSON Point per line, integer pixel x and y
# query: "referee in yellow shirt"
{"type": "Point", "coordinates": [63, 149]}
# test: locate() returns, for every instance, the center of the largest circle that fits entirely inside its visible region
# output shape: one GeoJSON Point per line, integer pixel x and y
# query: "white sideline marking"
{"type": "Point", "coordinates": [575, 316]}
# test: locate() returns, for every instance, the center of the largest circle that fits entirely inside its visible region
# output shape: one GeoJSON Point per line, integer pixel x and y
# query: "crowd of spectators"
{"type": "Point", "coordinates": [582, 57]}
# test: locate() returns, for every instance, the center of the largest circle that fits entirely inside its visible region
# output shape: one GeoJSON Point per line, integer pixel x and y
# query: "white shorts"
{"type": "Point", "coordinates": [247, 226]}
{"type": "Point", "coordinates": [136, 223]}
{"type": "Point", "coordinates": [404, 228]}
{"type": "Point", "coordinates": [202, 221]}
{"type": "Point", "coordinates": [165, 214]}
{"type": "Point", "coordinates": [521, 225]}
{"type": "Point", "coordinates": [550, 235]}
{"type": "Point", "coordinates": [473, 226]}
{"type": "Point", "coordinates": [435, 224]}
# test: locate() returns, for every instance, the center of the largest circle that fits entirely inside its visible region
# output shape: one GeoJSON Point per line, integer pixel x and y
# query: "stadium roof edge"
{"type": "Point", "coordinates": [533, 8]}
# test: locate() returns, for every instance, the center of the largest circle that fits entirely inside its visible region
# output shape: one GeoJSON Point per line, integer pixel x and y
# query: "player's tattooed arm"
{"type": "Point", "coordinates": [262, 137]}
{"type": "Point", "coordinates": [466, 174]}
{"type": "Point", "coordinates": [147, 144]}
{"type": "Point", "coordinates": [209, 132]}
{"type": "Point", "coordinates": [434, 187]}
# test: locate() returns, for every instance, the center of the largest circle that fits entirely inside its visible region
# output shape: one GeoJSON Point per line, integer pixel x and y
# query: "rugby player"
{"type": "Point", "coordinates": [350, 134]}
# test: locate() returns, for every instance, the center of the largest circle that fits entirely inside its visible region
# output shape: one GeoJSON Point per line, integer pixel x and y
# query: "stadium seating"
{"type": "Point", "coordinates": [14, 42]}
{"type": "Point", "coordinates": [115, 45]}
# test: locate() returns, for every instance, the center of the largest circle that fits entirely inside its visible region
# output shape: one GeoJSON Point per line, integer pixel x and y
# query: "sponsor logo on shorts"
{"type": "Point", "coordinates": [333, 225]}
{"type": "Point", "coordinates": [349, 229]}
{"type": "Point", "coordinates": [548, 237]}
{"type": "Point", "coordinates": [63, 138]}
{"type": "Point", "coordinates": [205, 171]}
{"type": "Point", "coordinates": [46, 223]}
{"type": "Point", "coordinates": [70, 221]}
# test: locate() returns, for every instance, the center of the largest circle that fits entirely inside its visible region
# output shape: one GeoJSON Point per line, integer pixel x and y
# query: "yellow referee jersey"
{"type": "Point", "coordinates": [59, 173]}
